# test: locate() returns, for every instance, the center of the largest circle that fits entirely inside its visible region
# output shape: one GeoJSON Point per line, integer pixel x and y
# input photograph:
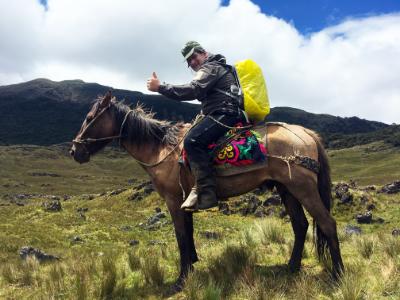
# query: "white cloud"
{"type": "Point", "coordinates": [349, 69]}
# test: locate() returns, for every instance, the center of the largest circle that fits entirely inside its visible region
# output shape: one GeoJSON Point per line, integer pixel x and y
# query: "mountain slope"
{"type": "Point", "coordinates": [44, 112]}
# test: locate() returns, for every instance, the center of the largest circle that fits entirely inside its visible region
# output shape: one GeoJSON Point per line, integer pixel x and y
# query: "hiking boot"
{"type": "Point", "coordinates": [202, 195]}
{"type": "Point", "coordinates": [196, 200]}
{"type": "Point", "coordinates": [207, 198]}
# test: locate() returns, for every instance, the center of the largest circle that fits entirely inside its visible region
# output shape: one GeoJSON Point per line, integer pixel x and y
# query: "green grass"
{"type": "Point", "coordinates": [109, 170]}
{"type": "Point", "coordinates": [247, 261]}
{"type": "Point", "coordinates": [375, 163]}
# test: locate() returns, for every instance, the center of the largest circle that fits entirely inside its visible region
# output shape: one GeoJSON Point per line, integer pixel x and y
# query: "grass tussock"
{"type": "Point", "coordinates": [109, 277]}
{"type": "Point", "coordinates": [271, 231]}
{"type": "Point", "coordinates": [55, 280]}
{"type": "Point", "coordinates": [81, 286]}
{"type": "Point", "coordinates": [9, 273]}
{"type": "Point", "coordinates": [152, 270]}
{"type": "Point", "coordinates": [366, 246]}
{"type": "Point", "coordinates": [23, 273]}
{"type": "Point", "coordinates": [234, 260]}
{"type": "Point", "coordinates": [390, 278]}
{"type": "Point", "coordinates": [255, 288]}
{"type": "Point", "coordinates": [351, 287]}
{"type": "Point", "coordinates": [212, 292]}
{"type": "Point", "coordinates": [193, 286]}
{"type": "Point", "coordinates": [391, 246]}
{"type": "Point", "coordinates": [133, 260]}
{"type": "Point", "coordinates": [305, 290]}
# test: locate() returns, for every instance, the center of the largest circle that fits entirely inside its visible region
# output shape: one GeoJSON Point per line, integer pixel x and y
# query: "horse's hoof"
{"type": "Point", "coordinates": [294, 268]}
{"type": "Point", "coordinates": [174, 289]}
{"type": "Point", "coordinates": [177, 287]}
{"type": "Point", "coordinates": [337, 273]}
{"type": "Point", "coordinates": [337, 276]}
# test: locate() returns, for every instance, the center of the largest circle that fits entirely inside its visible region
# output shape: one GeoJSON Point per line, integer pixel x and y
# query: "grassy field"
{"type": "Point", "coordinates": [244, 257]}
{"type": "Point", "coordinates": [51, 170]}
{"type": "Point", "coordinates": [376, 163]}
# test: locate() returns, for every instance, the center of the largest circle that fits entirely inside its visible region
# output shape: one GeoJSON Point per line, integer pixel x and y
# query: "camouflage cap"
{"type": "Point", "coordinates": [190, 47]}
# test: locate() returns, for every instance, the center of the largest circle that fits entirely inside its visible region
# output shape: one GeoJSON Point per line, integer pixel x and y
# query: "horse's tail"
{"type": "Point", "coordinates": [324, 189]}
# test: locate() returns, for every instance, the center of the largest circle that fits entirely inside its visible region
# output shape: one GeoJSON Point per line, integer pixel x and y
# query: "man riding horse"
{"type": "Point", "coordinates": [154, 145]}
{"type": "Point", "coordinates": [212, 86]}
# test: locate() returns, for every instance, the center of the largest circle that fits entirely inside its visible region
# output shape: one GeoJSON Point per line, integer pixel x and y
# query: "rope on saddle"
{"type": "Point", "coordinates": [304, 161]}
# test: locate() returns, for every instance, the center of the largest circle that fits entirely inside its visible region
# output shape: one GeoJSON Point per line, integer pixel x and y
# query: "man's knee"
{"type": "Point", "coordinates": [190, 143]}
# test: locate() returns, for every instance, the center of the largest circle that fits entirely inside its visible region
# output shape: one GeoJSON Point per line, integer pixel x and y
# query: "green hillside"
{"type": "Point", "coordinates": [376, 163]}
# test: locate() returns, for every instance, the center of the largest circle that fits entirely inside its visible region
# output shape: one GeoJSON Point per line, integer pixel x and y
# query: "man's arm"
{"type": "Point", "coordinates": [197, 89]}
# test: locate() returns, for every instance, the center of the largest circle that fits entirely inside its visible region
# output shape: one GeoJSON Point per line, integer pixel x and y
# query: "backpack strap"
{"type": "Point", "coordinates": [239, 96]}
{"type": "Point", "coordinates": [235, 75]}
{"type": "Point", "coordinates": [226, 93]}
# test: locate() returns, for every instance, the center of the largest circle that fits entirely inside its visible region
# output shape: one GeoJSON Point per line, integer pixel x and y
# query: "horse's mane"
{"type": "Point", "coordinates": [141, 127]}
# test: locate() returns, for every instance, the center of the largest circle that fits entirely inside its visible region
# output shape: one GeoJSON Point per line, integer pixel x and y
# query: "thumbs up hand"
{"type": "Point", "coordinates": [153, 83]}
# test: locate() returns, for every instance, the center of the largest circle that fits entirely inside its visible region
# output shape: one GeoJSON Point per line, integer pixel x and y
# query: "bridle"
{"type": "Point", "coordinates": [87, 141]}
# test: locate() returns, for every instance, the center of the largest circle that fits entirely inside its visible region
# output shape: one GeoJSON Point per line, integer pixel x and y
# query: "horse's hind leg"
{"type": "Point", "coordinates": [299, 225]}
{"type": "Point", "coordinates": [309, 197]}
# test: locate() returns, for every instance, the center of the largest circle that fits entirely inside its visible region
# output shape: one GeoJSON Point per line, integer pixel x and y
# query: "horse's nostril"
{"type": "Point", "coordinates": [71, 152]}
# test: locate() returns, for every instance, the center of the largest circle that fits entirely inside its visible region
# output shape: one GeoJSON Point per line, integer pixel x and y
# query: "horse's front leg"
{"type": "Point", "coordinates": [183, 224]}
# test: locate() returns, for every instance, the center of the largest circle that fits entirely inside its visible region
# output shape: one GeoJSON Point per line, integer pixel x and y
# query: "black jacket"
{"type": "Point", "coordinates": [212, 74]}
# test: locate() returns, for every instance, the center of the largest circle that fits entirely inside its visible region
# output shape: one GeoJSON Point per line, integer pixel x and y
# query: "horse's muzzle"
{"type": "Point", "coordinates": [80, 154]}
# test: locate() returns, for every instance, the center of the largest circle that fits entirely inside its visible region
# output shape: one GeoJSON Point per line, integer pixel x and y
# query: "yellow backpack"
{"type": "Point", "coordinates": [250, 90]}
{"type": "Point", "coordinates": [254, 89]}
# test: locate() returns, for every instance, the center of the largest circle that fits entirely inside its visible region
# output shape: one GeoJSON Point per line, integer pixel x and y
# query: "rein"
{"type": "Point", "coordinates": [161, 160]}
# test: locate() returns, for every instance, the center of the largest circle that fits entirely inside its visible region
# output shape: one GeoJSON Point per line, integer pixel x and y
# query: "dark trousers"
{"type": "Point", "coordinates": [204, 133]}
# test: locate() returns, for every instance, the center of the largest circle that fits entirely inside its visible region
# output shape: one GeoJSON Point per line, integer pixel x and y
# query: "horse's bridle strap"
{"type": "Point", "coordinates": [90, 140]}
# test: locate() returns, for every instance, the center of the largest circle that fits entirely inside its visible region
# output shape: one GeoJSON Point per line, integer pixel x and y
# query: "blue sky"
{"type": "Point", "coordinates": [43, 2]}
{"type": "Point", "coordinates": [313, 15]}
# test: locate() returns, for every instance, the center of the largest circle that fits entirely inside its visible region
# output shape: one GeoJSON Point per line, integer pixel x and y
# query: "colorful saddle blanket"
{"type": "Point", "coordinates": [241, 149]}
{"type": "Point", "coordinates": [237, 147]}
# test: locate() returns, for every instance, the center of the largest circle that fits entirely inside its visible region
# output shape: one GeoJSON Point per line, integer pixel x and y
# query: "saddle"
{"type": "Point", "coordinates": [240, 150]}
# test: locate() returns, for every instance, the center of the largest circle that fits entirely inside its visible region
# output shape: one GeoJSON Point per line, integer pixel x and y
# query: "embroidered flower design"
{"type": "Point", "coordinates": [228, 154]}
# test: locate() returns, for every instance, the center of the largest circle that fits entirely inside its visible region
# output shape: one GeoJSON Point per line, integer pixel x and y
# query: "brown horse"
{"type": "Point", "coordinates": [297, 166]}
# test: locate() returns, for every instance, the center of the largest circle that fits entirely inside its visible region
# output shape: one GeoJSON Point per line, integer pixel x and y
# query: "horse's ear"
{"type": "Point", "coordinates": [106, 100]}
